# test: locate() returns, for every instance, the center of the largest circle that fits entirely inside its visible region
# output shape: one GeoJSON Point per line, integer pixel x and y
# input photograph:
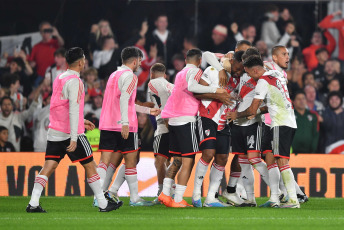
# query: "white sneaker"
{"type": "Point", "coordinates": [215, 202]}
{"type": "Point", "coordinates": [232, 198]}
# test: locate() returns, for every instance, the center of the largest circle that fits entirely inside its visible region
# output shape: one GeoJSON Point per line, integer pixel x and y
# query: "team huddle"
{"type": "Point", "coordinates": [239, 104]}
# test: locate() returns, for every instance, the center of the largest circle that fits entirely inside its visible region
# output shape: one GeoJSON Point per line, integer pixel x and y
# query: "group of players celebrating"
{"type": "Point", "coordinates": [238, 102]}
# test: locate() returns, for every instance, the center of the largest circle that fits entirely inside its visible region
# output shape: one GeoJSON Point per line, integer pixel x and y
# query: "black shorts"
{"type": "Point", "coordinates": [282, 139]}
{"type": "Point", "coordinates": [184, 139]}
{"type": "Point", "coordinates": [112, 141]}
{"type": "Point", "coordinates": [161, 146]}
{"type": "Point", "coordinates": [56, 150]}
{"type": "Point", "coordinates": [266, 139]}
{"type": "Point", "coordinates": [246, 139]}
{"type": "Point", "coordinates": [210, 138]}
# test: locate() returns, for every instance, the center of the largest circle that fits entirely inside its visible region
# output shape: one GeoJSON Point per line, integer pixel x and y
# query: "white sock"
{"type": "Point", "coordinates": [289, 182]}
{"type": "Point", "coordinates": [159, 189]}
{"type": "Point", "coordinates": [101, 170]}
{"type": "Point", "coordinates": [297, 187]}
{"type": "Point", "coordinates": [216, 174]}
{"type": "Point", "coordinates": [274, 179]}
{"type": "Point", "coordinates": [119, 180]}
{"type": "Point", "coordinates": [131, 178]}
{"type": "Point", "coordinates": [282, 187]}
{"type": "Point", "coordinates": [109, 174]}
{"type": "Point", "coordinates": [201, 170]}
{"type": "Point", "coordinates": [261, 167]}
{"type": "Point", "coordinates": [180, 190]}
{"type": "Point", "coordinates": [232, 182]}
{"type": "Point", "coordinates": [39, 185]}
{"type": "Point", "coordinates": [247, 178]}
{"type": "Point", "coordinates": [94, 182]}
{"type": "Point", "coordinates": [167, 185]}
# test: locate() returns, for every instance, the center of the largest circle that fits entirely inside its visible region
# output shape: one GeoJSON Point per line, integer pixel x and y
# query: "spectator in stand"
{"type": "Point", "coordinates": [103, 56]}
{"type": "Point", "coordinates": [333, 124]}
{"type": "Point", "coordinates": [221, 43]}
{"type": "Point", "coordinates": [263, 50]}
{"type": "Point", "coordinates": [91, 83]}
{"type": "Point", "coordinates": [5, 146]}
{"type": "Point", "coordinates": [40, 125]}
{"type": "Point", "coordinates": [98, 33]}
{"type": "Point", "coordinates": [42, 55]}
{"type": "Point", "coordinates": [58, 67]}
{"type": "Point", "coordinates": [297, 69]}
{"type": "Point", "coordinates": [14, 121]}
{"type": "Point", "coordinates": [189, 43]}
{"type": "Point", "coordinates": [333, 86]}
{"type": "Point", "coordinates": [12, 82]}
{"type": "Point", "coordinates": [270, 34]}
{"type": "Point", "coordinates": [307, 133]}
{"type": "Point", "coordinates": [322, 56]}
{"type": "Point", "coordinates": [95, 107]}
{"type": "Point", "coordinates": [147, 61]}
{"type": "Point", "coordinates": [330, 73]}
{"type": "Point", "coordinates": [313, 104]}
{"type": "Point", "coordinates": [146, 132]}
{"type": "Point", "coordinates": [317, 42]}
{"type": "Point", "coordinates": [308, 79]}
{"type": "Point", "coordinates": [178, 62]}
{"type": "Point", "coordinates": [248, 32]}
{"type": "Point", "coordinates": [284, 18]}
{"type": "Point", "coordinates": [164, 40]}
{"type": "Point", "coordinates": [339, 25]}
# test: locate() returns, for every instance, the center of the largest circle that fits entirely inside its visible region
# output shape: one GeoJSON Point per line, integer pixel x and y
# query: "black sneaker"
{"type": "Point", "coordinates": [30, 208]}
{"type": "Point", "coordinates": [248, 204]}
{"type": "Point", "coordinates": [302, 198]}
{"type": "Point", "coordinates": [111, 206]}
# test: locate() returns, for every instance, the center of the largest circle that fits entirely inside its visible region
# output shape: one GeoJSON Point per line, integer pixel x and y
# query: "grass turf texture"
{"type": "Point", "coordinates": [78, 213]}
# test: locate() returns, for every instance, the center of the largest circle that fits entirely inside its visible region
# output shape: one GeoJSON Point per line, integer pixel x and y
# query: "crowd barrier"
{"type": "Point", "coordinates": [319, 175]}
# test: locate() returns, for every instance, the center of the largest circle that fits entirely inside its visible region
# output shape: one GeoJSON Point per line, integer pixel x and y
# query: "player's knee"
{"type": "Point", "coordinates": [221, 159]}
{"type": "Point", "coordinates": [208, 154]}
{"type": "Point", "coordinates": [160, 161]}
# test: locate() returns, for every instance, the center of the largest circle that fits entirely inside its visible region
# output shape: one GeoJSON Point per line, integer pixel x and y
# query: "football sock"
{"type": "Point", "coordinates": [298, 189]}
{"type": "Point", "coordinates": [282, 187]}
{"type": "Point", "coordinates": [201, 170]}
{"type": "Point", "coordinates": [109, 174]}
{"type": "Point", "coordinates": [180, 189]}
{"type": "Point", "coordinates": [39, 185]}
{"type": "Point", "coordinates": [216, 174]}
{"type": "Point", "coordinates": [274, 180]}
{"type": "Point", "coordinates": [119, 180]}
{"type": "Point", "coordinates": [261, 167]}
{"type": "Point", "coordinates": [232, 182]}
{"type": "Point", "coordinates": [131, 178]}
{"type": "Point", "coordinates": [101, 170]}
{"type": "Point", "coordinates": [247, 178]}
{"type": "Point", "coordinates": [167, 185]}
{"type": "Point", "coordinates": [94, 182]}
{"type": "Point", "coordinates": [289, 182]}
{"type": "Point", "coordinates": [159, 189]}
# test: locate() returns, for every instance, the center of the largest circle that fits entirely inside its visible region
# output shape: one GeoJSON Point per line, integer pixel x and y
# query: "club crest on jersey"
{"type": "Point", "coordinates": [310, 118]}
{"type": "Point", "coordinates": [250, 141]}
{"type": "Point", "coordinates": [207, 132]}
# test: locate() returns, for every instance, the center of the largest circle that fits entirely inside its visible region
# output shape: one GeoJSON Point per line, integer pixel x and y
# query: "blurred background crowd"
{"type": "Point", "coordinates": [164, 31]}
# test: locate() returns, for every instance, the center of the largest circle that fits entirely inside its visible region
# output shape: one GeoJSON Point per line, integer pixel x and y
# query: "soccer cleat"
{"type": "Point", "coordinates": [197, 203]}
{"type": "Point", "coordinates": [302, 198]}
{"type": "Point", "coordinates": [290, 205]}
{"type": "Point", "coordinates": [156, 201]}
{"type": "Point", "coordinates": [232, 198]}
{"type": "Point", "coordinates": [32, 209]}
{"type": "Point", "coordinates": [141, 202]}
{"type": "Point", "coordinates": [111, 206]}
{"type": "Point", "coordinates": [269, 204]}
{"type": "Point", "coordinates": [95, 203]}
{"type": "Point", "coordinates": [215, 202]}
{"type": "Point", "coordinates": [182, 204]}
{"type": "Point", "coordinates": [283, 199]}
{"type": "Point", "coordinates": [248, 203]}
{"type": "Point", "coordinates": [164, 199]}
{"type": "Point", "coordinates": [112, 198]}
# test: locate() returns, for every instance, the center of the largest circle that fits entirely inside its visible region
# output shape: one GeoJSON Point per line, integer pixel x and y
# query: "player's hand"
{"type": "Point", "coordinates": [223, 78]}
{"type": "Point", "coordinates": [229, 55]}
{"type": "Point", "coordinates": [125, 131]}
{"type": "Point", "coordinates": [88, 125]}
{"type": "Point", "coordinates": [144, 28]}
{"type": "Point", "coordinates": [55, 32]}
{"type": "Point", "coordinates": [231, 116]}
{"type": "Point", "coordinates": [155, 111]}
{"type": "Point", "coordinates": [72, 146]}
{"type": "Point", "coordinates": [227, 64]}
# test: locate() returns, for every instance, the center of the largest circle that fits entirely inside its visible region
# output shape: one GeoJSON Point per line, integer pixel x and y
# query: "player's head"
{"type": "Point", "coordinates": [194, 56]}
{"type": "Point", "coordinates": [75, 58]}
{"type": "Point", "coordinates": [3, 134]}
{"type": "Point", "coordinates": [157, 70]}
{"type": "Point", "coordinates": [131, 57]}
{"type": "Point", "coordinates": [237, 68]}
{"type": "Point", "coordinates": [254, 66]}
{"type": "Point", "coordinates": [280, 55]}
{"type": "Point", "coordinates": [6, 106]}
{"type": "Point", "coordinates": [300, 101]}
{"type": "Point", "coordinates": [249, 52]}
{"type": "Point", "coordinates": [242, 45]}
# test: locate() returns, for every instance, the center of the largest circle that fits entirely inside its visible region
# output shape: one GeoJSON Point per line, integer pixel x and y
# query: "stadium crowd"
{"type": "Point", "coordinates": [315, 77]}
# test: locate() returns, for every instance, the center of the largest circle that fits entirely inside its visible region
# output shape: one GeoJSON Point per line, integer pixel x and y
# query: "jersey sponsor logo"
{"type": "Point", "coordinates": [250, 141]}
{"type": "Point", "coordinates": [207, 132]}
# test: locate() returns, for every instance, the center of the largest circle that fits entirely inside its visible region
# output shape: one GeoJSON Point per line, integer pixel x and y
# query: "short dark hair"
{"type": "Point", "coordinates": [2, 128]}
{"type": "Point", "coordinates": [178, 56]}
{"type": "Point", "coordinates": [271, 8]}
{"type": "Point", "coordinates": [335, 93]}
{"type": "Point", "coordinates": [238, 55]}
{"type": "Point", "coordinates": [161, 15]}
{"type": "Point", "coordinates": [249, 52]}
{"type": "Point", "coordinates": [129, 53]}
{"type": "Point", "coordinates": [276, 48]}
{"type": "Point", "coordinates": [158, 67]}
{"type": "Point", "coordinates": [19, 62]}
{"type": "Point", "coordinates": [243, 42]}
{"type": "Point", "coordinates": [252, 61]}
{"type": "Point", "coordinates": [320, 50]}
{"type": "Point", "coordinates": [9, 79]}
{"type": "Point", "coordinates": [305, 75]}
{"type": "Point", "coordinates": [74, 54]}
{"type": "Point", "coordinates": [246, 26]}
{"type": "Point", "coordinates": [194, 53]}
{"type": "Point", "coordinates": [299, 92]}
{"type": "Point", "coordinates": [60, 51]}
{"type": "Point", "coordinates": [43, 23]}
{"type": "Point", "coordinates": [6, 98]}
{"type": "Point", "coordinates": [191, 39]}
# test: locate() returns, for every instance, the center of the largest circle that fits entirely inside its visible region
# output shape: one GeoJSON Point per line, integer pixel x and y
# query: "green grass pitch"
{"type": "Point", "coordinates": [77, 213]}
